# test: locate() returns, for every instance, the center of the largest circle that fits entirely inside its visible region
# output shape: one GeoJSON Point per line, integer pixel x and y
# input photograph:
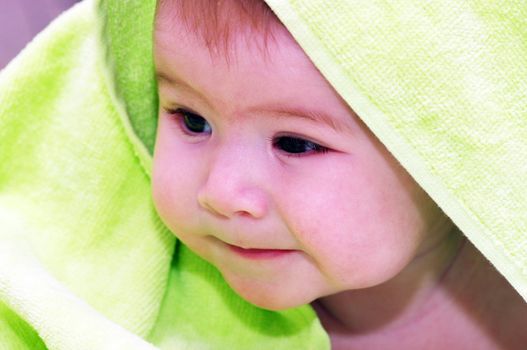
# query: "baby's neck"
{"type": "Point", "coordinates": [452, 299]}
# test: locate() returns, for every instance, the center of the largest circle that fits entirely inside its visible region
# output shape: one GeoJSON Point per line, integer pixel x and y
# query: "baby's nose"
{"type": "Point", "coordinates": [232, 188]}
{"type": "Point", "coordinates": [226, 204]}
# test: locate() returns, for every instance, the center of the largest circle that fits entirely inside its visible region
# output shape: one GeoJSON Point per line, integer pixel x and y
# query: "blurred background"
{"type": "Point", "coordinates": [21, 20]}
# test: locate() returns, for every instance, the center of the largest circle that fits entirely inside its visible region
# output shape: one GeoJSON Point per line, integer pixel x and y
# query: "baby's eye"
{"type": "Point", "coordinates": [192, 123]}
{"type": "Point", "coordinates": [296, 146]}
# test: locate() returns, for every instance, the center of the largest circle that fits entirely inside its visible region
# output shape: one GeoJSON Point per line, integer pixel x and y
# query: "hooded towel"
{"type": "Point", "coordinates": [85, 262]}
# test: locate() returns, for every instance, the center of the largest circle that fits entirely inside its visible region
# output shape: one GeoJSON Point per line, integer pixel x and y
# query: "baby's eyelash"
{"type": "Point", "coordinates": [193, 125]}
{"type": "Point", "coordinates": [190, 123]}
{"type": "Point", "coordinates": [294, 146]}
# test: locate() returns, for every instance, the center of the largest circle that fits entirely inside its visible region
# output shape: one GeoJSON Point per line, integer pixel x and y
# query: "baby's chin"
{"type": "Point", "coordinates": [270, 296]}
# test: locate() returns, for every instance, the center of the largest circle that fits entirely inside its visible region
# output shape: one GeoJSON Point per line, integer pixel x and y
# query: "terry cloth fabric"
{"type": "Point", "coordinates": [85, 263]}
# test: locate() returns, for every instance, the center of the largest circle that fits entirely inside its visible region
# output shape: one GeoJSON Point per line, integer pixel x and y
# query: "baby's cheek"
{"type": "Point", "coordinates": [349, 229]}
{"type": "Point", "coordinates": [164, 201]}
{"type": "Point", "coordinates": [172, 196]}
{"type": "Point", "coordinates": [174, 208]}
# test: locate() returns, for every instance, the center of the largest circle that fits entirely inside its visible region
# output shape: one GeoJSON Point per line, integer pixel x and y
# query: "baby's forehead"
{"type": "Point", "coordinates": [220, 23]}
{"type": "Point", "coordinates": [292, 80]}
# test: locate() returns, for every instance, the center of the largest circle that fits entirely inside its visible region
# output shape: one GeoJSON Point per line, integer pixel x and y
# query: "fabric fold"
{"type": "Point", "coordinates": [71, 181]}
{"type": "Point", "coordinates": [442, 85]}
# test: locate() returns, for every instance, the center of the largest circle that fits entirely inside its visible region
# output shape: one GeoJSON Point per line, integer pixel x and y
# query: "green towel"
{"type": "Point", "coordinates": [443, 84]}
{"type": "Point", "coordinates": [85, 262]}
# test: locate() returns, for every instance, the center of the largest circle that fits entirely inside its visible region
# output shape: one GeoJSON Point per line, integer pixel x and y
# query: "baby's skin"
{"type": "Point", "coordinates": [264, 171]}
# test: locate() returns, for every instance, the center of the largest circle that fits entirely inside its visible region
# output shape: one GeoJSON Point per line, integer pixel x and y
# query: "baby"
{"type": "Point", "coordinates": [264, 171]}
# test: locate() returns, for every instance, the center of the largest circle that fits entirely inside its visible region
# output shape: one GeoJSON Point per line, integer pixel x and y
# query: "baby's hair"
{"type": "Point", "coordinates": [215, 21]}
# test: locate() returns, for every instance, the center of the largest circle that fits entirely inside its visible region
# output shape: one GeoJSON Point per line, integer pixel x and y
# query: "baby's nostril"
{"type": "Point", "coordinates": [243, 213]}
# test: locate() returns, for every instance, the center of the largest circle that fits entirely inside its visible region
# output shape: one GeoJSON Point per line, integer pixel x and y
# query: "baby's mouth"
{"type": "Point", "coordinates": [257, 253]}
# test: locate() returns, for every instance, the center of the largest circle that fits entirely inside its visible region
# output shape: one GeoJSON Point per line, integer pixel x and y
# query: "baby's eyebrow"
{"type": "Point", "coordinates": [176, 82]}
{"type": "Point", "coordinates": [173, 81]}
{"type": "Point", "coordinates": [279, 111]}
{"type": "Point", "coordinates": [313, 115]}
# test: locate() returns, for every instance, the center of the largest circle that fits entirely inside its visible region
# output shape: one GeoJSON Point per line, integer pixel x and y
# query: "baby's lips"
{"type": "Point", "coordinates": [258, 253]}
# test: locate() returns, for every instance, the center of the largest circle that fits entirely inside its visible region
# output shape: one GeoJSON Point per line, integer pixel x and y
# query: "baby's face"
{"type": "Point", "coordinates": [265, 172]}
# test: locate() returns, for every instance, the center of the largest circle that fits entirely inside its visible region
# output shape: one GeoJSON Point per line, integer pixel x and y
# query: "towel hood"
{"type": "Point", "coordinates": [441, 84]}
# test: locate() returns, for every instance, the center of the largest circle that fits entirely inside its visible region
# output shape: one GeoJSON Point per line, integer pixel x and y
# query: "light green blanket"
{"type": "Point", "coordinates": [85, 263]}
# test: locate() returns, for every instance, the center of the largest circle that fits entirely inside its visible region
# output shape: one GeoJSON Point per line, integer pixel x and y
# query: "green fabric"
{"type": "Point", "coordinates": [85, 263]}
{"type": "Point", "coordinates": [212, 316]}
{"type": "Point", "coordinates": [443, 84]}
{"type": "Point", "coordinates": [129, 49]}
{"type": "Point", "coordinates": [80, 241]}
